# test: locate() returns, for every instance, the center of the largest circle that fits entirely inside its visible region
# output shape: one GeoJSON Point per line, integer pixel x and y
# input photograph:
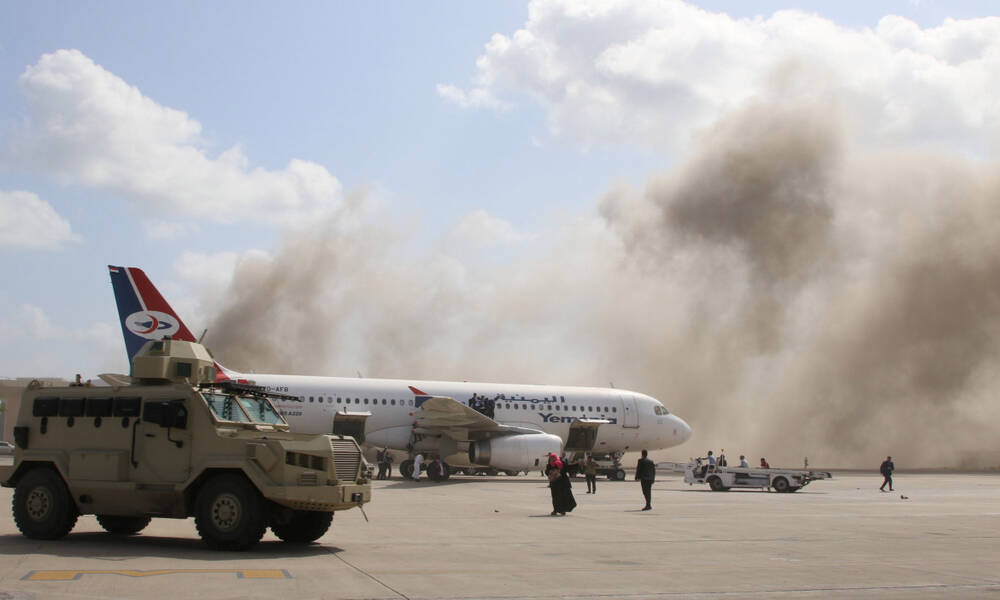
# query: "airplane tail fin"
{"type": "Point", "coordinates": [144, 314]}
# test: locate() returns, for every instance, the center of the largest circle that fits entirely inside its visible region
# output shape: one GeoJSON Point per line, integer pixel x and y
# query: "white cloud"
{"type": "Point", "coordinates": [653, 71]}
{"type": "Point", "coordinates": [88, 126]}
{"type": "Point", "coordinates": [31, 322]}
{"type": "Point", "coordinates": [477, 97]}
{"type": "Point", "coordinates": [168, 230]}
{"type": "Point", "coordinates": [479, 229]}
{"type": "Point", "coordinates": [27, 221]}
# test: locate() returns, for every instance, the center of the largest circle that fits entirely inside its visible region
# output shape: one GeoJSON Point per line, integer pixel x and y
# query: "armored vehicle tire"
{"type": "Point", "coordinates": [43, 508]}
{"type": "Point", "coordinates": [716, 484]}
{"type": "Point", "coordinates": [619, 475]}
{"type": "Point", "coordinates": [118, 525]}
{"type": "Point", "coordinates": [406, 469]}
{"type": "Point", "coordinates": [780, 485]}
{"type": "Point", "coordinates": [229, 513]}
{"type": "Point", "coordinates": [303, 527]}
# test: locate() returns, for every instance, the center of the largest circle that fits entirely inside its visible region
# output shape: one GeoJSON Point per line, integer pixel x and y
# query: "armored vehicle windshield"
{"type": "Point", "coordinates": [242, 409]}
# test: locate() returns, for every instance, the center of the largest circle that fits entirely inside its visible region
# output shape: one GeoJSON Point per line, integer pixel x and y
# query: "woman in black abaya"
{"type": "Point", "coordinates": [562, 492]}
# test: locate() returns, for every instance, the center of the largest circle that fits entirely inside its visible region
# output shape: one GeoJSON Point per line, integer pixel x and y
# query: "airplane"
{"type": "Point", "coordinates": [507, 427]}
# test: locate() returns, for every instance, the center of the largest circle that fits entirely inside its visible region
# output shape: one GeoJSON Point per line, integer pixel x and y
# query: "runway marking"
{"type": "Point", "coordinates": [46, 575]}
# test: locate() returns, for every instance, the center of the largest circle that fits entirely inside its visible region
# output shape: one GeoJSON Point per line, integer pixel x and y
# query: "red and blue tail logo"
{"type": "Point", "coordinates": [144, 314]}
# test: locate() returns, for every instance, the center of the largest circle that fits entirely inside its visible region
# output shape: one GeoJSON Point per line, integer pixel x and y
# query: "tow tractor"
{"type": "Point", "coordinates": [722, 479]}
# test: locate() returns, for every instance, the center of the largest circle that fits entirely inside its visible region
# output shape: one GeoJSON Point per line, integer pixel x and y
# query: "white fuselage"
{"type": "Point", "coordinates": [635, 421]}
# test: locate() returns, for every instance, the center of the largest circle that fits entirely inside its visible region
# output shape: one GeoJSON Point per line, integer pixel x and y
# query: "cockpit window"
{"type": "Point", "coordinates": [660, 410]}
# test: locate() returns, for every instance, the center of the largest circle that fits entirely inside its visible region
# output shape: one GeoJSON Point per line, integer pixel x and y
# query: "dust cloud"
{"type": "Point", "coordinates": [786, 293]}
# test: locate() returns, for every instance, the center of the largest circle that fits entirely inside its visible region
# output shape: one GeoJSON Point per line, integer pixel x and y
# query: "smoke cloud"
{"type": "Point", "coordinates": [785, 293]}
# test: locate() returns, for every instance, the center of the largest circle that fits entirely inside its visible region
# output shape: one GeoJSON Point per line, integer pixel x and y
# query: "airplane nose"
{"type": "Point", "coordinates": [683, 430]}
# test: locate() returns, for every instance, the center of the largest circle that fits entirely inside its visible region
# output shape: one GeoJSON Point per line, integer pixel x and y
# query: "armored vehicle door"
{"type": "Point", "coordinates": [162, 442]}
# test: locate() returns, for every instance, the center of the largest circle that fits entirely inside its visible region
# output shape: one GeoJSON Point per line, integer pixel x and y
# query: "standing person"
{"type": "Point", "coordinates": [722, 462]}
{"type": "Point", "coordinates": [388, 464]}
{"type": "Point", "coordinates": [560, 487]}
{"type": "Point", "coordinates": [886, 469]}
{"type": "Point", "coordinates": [418, 462]}
{"type": "Point", "coordinates": [381, 464]}
{"type": "Point", "coordinates": [645, 473]}
{"type": "Point", "coordinates": [590, 471]}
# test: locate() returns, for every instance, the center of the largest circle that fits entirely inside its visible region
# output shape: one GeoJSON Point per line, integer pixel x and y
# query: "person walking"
{"type": "Point", "coordinates": [645, 473]}
{"type": "Point", "coordinates": [886, 469]}
{"type": "Point", "coordinates": [559, 486]}
{"type": "Point", "coordinates": [418, 462]}
{"type": "Point", "coordinates": [590, 471]}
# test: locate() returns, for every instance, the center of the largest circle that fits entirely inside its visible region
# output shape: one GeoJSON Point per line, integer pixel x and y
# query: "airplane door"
{"type": "Point", "coordinates": [630, 418]}
{"type": "Point", "coordinates": [352, 424]}
{"type": "Point", "coordinates": [582, 435]}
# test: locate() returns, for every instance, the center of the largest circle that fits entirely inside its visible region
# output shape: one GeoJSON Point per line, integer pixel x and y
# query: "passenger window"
{"type": "Point", "coordinates": [45, 407]}
{"type": "Point", "coordinates": [392, 401]}
{"type": "Point", "coordinates": [71, 407]}
{"type": "Point", "coordinates": [99, 407]}
{"type": "Point", "coordinates": [127, 407]}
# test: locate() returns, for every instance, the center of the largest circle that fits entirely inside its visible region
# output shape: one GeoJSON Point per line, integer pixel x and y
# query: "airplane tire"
{"type": "Point", "coordinates": [511, 473]}
{"type": "Point", "coordinates": [42, 506]}
{"type": "Point", "coordinates": [780, 485]}
{"type": "Point", "coordinates": [118, 525]}
{"type": "Point", "coordinates": [303, 527]}
{"type": "Point", "coordinates": [229, 513]}
{"type": "Point", "coordinates": [406, 469]}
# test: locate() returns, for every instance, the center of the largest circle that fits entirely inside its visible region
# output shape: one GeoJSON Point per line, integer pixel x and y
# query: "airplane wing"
{"type": "Point", "coordinates": [441, 414]}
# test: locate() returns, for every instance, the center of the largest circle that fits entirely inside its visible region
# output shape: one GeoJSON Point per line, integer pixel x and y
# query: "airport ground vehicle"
{"type": "Point", "coordinates": [6, 448]}
{"type": "Point", "coordinates": [722, 479]}
{"type": "Point", "coordinates": [170, 442]}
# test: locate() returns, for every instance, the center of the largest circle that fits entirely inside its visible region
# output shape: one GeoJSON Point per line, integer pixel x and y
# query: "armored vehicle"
{"type": "Point", "coordinates": [170, 441]}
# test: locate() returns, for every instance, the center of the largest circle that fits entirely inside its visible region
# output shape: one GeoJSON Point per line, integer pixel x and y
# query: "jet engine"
{"type": "Point", "coordinates": [514, 451]}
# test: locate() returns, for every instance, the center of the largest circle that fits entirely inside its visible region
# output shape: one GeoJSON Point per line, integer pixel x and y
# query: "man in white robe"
{"type": "Point", "coordinates": [418, 460]}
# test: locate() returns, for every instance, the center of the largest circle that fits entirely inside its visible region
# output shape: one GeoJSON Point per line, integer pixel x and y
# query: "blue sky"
{"type": "Point", "coordinates": [351, 87]}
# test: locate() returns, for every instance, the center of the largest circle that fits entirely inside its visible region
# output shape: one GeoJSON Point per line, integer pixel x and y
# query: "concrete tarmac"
{"type": "Point", "coordinates": [936, 536]}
